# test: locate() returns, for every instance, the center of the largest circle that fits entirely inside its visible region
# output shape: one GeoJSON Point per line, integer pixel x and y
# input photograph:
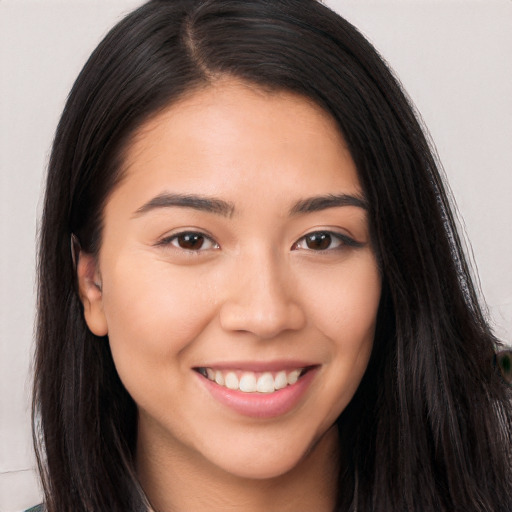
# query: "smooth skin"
{"type": "Point", "coordinates": [177, 287]}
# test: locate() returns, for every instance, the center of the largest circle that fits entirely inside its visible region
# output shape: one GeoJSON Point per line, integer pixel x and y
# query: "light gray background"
{"type": "Point", "coordinates": [453, 57]}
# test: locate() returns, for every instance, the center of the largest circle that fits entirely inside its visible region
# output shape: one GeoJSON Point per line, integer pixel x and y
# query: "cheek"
{"type": "Point", "coordinates": [346, 302]}
{"type": "Point", "coordinates": [347, 312]}
{"type": "Point", "coordinates": [153, 313]}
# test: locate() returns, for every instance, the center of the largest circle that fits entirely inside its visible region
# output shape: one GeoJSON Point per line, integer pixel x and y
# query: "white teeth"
{"type": "Point", "coordinates": [265, 383]}
{"type": "Point", "coordinates": [293, 377]}
{"type": "Point", "coordinates": [250, 382]}
{"type": "Point", "coordinates": [280, 381]}
{"type": "Point", "coordinates": [231, 381]}
{"type": "Point", "coordinates": [219, 378]}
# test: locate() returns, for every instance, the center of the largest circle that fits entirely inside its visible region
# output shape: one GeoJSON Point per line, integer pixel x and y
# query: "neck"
{"type": "Point", "coordinates": [183, 483]}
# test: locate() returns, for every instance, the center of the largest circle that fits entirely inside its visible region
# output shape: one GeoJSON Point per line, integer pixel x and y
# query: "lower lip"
{"type": "Point", "coordinates": [261, 405]}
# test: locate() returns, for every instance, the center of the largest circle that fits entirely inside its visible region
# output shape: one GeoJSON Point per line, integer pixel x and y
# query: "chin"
{"type": "Point", "coordinates": [266, 459]}
{"type": "Point", "coordinates": [264, 468]}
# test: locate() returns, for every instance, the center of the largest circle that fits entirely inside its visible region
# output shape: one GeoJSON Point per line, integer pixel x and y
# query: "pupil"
{"type": "Point", "coordinates": [191, 241]}
{"type": "Point", "coordinates": [318, 241]}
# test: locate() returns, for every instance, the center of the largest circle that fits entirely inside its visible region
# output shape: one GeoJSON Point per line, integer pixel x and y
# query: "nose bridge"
{"type": "Point", "coordinates": [261, 300]}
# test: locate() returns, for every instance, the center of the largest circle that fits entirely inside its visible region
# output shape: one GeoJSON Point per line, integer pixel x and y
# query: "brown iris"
{"type": "Point", "coordinates": [318, 241]}
{"type": "Point", "coordinates": [190, 241]}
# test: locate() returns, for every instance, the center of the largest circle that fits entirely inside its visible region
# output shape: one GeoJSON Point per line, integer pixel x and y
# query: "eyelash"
{"type": "Point", "coordinates": [170, 239]}
{"type": "Point", "coordinates": [323, 236]}
{"type": "Point", "coordinates": [330, 236]}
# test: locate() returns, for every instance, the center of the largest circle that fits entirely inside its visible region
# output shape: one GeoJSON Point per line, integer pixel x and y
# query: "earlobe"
{"type": "Point", "coordinates": [91, 294]}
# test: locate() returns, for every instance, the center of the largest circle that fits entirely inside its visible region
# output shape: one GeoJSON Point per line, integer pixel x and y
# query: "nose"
{"type": "Point", "coordinates": [260, 299]}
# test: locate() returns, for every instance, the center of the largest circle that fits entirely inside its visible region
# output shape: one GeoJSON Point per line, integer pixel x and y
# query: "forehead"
{"type": "Point", "coordinates": [226, 135]}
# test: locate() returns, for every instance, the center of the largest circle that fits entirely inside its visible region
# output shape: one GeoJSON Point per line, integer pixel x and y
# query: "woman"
{"type": "Point", "coordinates": [265, 305]}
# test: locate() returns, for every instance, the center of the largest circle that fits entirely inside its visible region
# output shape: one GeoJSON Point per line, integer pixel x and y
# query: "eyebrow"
{"type": "Point", "coordinates": [226, 209]}
{"type": "Point", "coordinates": [318, 203]}
{"type": "Point", "coordinates": [202, 203]}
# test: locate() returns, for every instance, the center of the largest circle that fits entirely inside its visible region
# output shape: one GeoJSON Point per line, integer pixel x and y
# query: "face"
{"type": "Point", "coordinates": [236, 279]}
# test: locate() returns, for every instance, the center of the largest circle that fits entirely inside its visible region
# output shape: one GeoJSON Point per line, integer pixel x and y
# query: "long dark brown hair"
{"type": "Point", "coordinates": [430, 426]}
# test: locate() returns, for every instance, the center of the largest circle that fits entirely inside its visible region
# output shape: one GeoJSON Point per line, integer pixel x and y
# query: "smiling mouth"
{"type": "Point", "coordinates": [253, 382]}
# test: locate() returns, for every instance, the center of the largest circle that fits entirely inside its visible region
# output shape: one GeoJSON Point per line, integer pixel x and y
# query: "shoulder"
{"type": "Point", "coordinates": [37, 508]}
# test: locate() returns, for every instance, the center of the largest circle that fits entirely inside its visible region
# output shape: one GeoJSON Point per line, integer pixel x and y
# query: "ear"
{"type": "Point", "coordinates": [90, 290]}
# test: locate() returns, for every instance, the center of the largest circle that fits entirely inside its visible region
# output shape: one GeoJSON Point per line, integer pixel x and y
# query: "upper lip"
{"type": "Point", "coordinates": [258, 366]}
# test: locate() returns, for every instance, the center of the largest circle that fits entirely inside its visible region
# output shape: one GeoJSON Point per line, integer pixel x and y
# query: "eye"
{"type": "Point", "coordinates": [324, 241]}
{"type": "Point", "coordinates": [190, 241]}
